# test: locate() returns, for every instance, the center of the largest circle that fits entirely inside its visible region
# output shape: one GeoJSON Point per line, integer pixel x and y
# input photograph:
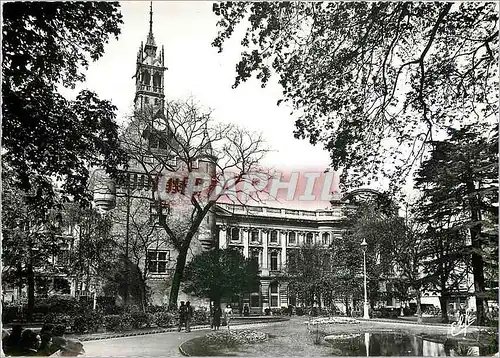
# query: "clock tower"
{"type": "Point", "coordinates": [150, 72]}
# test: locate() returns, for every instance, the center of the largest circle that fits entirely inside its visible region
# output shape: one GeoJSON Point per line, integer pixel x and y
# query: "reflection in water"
{"type": "Point", "coordinates": [392, 344]}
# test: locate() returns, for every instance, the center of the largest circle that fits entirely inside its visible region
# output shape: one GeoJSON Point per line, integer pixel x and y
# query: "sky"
{"type": "Point", "coordinates": [186, 29]}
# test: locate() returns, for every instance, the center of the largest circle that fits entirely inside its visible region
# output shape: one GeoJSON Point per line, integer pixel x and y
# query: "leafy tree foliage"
{"type": "Point", "coordinates": [374, 219]}
{"type": "Point", "coordinates": [334, 272]}
{"type": "Point", "coordinates": [444, 269]}
{"type": "Point", "coordinates": [459, 183]}
{"type": "Point", "coordinates": [360, 72]}
{"type": "Point", "coordinates": [124, 281]}
{"type": "Point", "coordinates": [221, 273]}
{"type": "Point", "coordinates": [45, 136]}
{"type": "Point", "coordinates": [411, 252]}
{"type": "Point", "coordinates": [309, 274]}
{"type": "Point", "coordinates": [28, 238]}
{"type": "Point", "coordinates": [93, 250]}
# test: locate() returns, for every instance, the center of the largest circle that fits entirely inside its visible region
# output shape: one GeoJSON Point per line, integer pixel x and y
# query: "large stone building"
{"type": "Point", "coordinates": [271, 236]}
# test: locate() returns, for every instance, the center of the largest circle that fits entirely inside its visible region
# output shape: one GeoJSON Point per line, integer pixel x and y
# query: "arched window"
{"type": "Point", "coordinates": [325, 238]}
{"type": "Point", "coordinates": [309, 238]}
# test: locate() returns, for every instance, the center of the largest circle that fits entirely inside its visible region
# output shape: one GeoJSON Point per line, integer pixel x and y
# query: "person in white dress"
{"type": "Point", "coordinates": [228, 313]}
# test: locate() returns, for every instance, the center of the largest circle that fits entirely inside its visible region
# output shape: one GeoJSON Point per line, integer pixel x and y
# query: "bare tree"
{"type": "Point", "coordinates": [191, 163]}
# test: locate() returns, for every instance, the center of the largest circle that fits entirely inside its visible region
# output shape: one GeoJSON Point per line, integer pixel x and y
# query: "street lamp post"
{"type": "Point", "coordinates": [365, 306]}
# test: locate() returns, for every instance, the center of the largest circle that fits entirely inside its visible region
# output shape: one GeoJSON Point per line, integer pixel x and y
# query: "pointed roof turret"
{"type": "Point", "coordinates": [150, 42]}
{"type": "Point", "coordinates": [208, 146]}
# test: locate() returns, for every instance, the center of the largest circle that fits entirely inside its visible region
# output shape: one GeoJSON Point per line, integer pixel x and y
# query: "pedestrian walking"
{"type": "Point", "coordinates": [228, 313]}
{"type": "Point", "coordinates": [189, 316]}
{"type": "Point", "coordinates": [217, 314]}
{"type": "Point", "coordinates": [211, 311]}
{"type": "Point", "coordinates": [182, 315]}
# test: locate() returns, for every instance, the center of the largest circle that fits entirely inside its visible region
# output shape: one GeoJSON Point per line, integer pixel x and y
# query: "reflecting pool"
{"type": "Point", "coordinates": [393, 344]}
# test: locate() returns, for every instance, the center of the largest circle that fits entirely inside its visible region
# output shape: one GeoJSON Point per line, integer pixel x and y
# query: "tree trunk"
{"type": "Point", "coordinates": [443, 302]}
{"type": "Point", "coordinates": [176, 280]}
{"type": "Point", "coordinates": [477, 259]}
{"type": "Point", "coordinates": [30, 275]}
{"type": "Point", "coordinates": [479, 289]}
{"type": "Point", "coordinates": [143, 289]}
{"type": "Point", "coordinates": [419, 307]}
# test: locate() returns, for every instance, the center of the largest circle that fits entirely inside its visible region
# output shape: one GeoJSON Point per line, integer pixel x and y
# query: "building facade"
{"type": "Point", "coordinates": [271, 236]}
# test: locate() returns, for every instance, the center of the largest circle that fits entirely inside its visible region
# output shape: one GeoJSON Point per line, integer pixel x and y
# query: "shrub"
{"type": "Point", "coordinates": [156, 309]}
{"type": "Point", "coordinates": [126, 321]}
{"type": "Point", "coordinates": [107, 306]}
{"type": "Point", "coordinates": [164, 319]}
{"type": "Point", "coordinates": [58, 304]}
{"type": "Point", "coordinates": [89, 321]}
{"type": "Point", "coordinates": [314, 311]}
{"type": "Point", "coordinates": [112, 322]}
{"type": "Point", "coordinates": [276, 311]}
{"type": "Point", "coordinates": [58, 318]}
{"type": "Point", "coordinates": [299, 311]}
{"type": "Point", "coordinates": [140, 319]}
{"type": "Point", "coordinates": [11, 314]}
{"type": "Point", "coordinates": [79, 324]}
{"type": "Point", "coordinates": [201, 316]}
{"type": "Point", "coordinates": [324, 312]}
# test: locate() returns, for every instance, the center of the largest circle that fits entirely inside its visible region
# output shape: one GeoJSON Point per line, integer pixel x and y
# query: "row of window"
{"type": "Point", "coordinates": [146, 181]}
{"type": "Point", "coordinates": [292, 260]}
{"type": "Point", "coordinates": [273, 259]}
{"type": "Point", "coordinates": [235, 235]}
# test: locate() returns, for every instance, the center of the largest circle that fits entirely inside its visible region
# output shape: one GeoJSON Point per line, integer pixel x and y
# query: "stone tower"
{"type": "Point", "coordinates": [150, 72]}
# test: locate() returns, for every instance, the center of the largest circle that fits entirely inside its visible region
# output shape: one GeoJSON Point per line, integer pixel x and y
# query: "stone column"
{"type": "Point", "coordinates": [283, 249]}
{"type": "Point", "coordinates": [283, 294]}
{"type": "Point", "coordinates": [223, 237]}
{"type": "Point", "coordinates": [245, 242]}
{"type": "Point", "coordinates": [264, 292]}
{"type": "Point", "coordinates": [265, 264]}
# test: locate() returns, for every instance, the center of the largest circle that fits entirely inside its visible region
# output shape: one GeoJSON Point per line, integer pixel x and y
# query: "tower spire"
{"type": "Point", "coordinates": [151, 39]}
{"type": "Point", "coordinates": [151, 17]}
